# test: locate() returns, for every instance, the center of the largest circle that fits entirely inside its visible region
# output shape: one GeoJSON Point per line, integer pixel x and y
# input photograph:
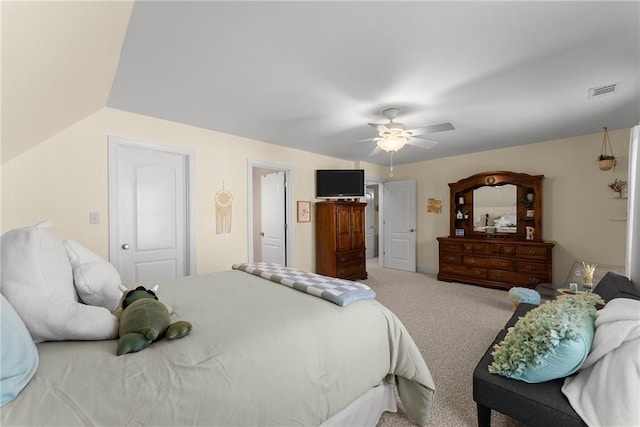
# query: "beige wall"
{"type": "Point", "coordinates": [577, 204]}
{"type": "Point", "coordinates": [66, 177]}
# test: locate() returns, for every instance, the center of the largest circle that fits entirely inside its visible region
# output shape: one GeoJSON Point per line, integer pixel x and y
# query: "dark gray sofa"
{"type": "Point", "coordinates": [540, 404]}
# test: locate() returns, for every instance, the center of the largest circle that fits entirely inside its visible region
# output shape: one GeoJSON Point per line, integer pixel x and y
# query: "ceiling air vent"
{"type": "Point", "coordinates": [594, 92]}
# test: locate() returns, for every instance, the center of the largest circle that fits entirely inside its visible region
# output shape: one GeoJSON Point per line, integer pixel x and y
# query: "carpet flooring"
{"type": "Point", "coordinates": [452, 324]}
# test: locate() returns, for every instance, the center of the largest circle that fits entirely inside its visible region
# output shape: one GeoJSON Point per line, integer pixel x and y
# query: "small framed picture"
{"type": "Point", "coordinates": [304, 211]}
{"type": "Point", "coordinates": [434, 205]}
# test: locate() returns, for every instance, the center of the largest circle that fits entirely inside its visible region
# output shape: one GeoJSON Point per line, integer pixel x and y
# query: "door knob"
{"type": "Point", "coordinates": [262, 233]}
{"type": "Point", "coordinates": [126, 246]}
{"type": "Point", "coordinates": [412, 230]}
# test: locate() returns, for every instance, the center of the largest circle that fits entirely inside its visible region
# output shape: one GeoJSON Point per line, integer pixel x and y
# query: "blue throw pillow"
{"type": "Point", "coordinates": [19, 359]}
{"type": "Point", "coordinates": [551, 341]}
{"type": "Point", "coordinates": [564, 359]}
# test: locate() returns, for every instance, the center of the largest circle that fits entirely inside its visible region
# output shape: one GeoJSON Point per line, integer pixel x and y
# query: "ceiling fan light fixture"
{"type": "Point", "coordinates": [392, 143]}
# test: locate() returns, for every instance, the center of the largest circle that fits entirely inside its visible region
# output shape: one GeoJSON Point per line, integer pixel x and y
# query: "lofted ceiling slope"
{"type": "Point", "coordinates": [58, 64]}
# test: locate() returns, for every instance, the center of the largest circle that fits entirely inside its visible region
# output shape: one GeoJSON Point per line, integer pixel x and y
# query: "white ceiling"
{"type": "Point", "coordinates": [311, 75]}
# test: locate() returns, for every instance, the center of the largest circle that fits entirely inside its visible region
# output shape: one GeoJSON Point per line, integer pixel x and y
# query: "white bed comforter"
{"type": "Point", "coordinates": [259, 354]}
{"type": "Point", "coordinates": [606, 390]}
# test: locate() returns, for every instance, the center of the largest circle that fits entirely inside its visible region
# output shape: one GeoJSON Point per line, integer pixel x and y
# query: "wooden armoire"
{"type": "Point", "coordinates": [340, 239]}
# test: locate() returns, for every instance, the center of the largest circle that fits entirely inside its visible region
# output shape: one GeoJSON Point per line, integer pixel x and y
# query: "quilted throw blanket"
{"type": "Point", "coordinates": [338, 291]}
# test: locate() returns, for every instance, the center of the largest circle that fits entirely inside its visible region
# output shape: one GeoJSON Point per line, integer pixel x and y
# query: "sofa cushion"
{"type": "Point", "coordinates": [549, 342]}
{"type": "Point", "coordinates": [616, 285]}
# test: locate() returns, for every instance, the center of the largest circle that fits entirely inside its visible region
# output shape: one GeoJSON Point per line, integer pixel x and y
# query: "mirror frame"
{"type": "Point", "coordinates": [528, 212]}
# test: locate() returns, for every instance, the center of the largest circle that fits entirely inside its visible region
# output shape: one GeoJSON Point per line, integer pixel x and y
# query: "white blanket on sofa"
{"type": "Point", "coordinates": [605, 391]}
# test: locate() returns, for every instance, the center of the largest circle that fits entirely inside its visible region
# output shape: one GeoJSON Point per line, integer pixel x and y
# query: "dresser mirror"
{"type": "Point", "coordinates": [496, 206]}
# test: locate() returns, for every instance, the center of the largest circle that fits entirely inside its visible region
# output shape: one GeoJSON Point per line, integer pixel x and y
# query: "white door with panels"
{"type": "Point", "coordinates": [273, 203]}
{"type": "Point", "coordinates": [400, 225]}
{"type": "Point", "coordinates": [149, 202]}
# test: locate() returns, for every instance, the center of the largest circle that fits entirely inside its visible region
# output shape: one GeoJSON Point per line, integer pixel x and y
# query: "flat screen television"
{"type": "Point", "coordinates": [332, 183]}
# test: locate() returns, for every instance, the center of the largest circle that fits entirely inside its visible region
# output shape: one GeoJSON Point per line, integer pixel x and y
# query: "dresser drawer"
{"type": "Point", "coordinates": [499, 263]}
{"type": "Point", "coordinates": [504, 250]}
{"type": "Point", "coordinates": [531, 252]}
{"type": "Point", "coordinates": [448, 258]}
{"type": "Point", "coordinates": [532, 267]}
{"type": "Point", "coordinates": [455, 247]}
{"type": "Point", "coordinates": [516, 279]}
{"type": "Point", "coordinates": [352, 271]}
{"type": "Point", "coordinates": [461, 270]}
{"type": "Point", "coordinates": [476, 248]}
{"type": "Point", "coordinates": [350, 257]}
{"type": "Point", "coordinates": [495, 262]}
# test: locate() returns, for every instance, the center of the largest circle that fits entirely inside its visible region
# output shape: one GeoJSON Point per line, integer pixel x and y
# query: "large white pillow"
{"type": "Point", "coordinates": [97, 281]}
{"type": "Point", "coordinates": [37, 280]}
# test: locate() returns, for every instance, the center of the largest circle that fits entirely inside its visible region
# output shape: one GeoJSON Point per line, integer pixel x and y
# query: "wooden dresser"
{"type": "Point", "coordinates": [495, 263]}
{"type": "Point", "coordinates": [477, 252]}
{"type": "Point", "coordinates": [340, 238]}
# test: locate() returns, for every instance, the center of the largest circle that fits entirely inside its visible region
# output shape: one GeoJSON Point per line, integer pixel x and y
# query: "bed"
{"type": "Point", "coordinates": [260, 353]}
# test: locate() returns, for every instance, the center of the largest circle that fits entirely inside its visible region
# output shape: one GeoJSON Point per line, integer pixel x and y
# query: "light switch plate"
{"type": "Point", "coordinates": [94, 217]}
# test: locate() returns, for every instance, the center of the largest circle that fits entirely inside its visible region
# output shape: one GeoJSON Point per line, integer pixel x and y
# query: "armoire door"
{"type": "Point", "coordinates": [357, 227]}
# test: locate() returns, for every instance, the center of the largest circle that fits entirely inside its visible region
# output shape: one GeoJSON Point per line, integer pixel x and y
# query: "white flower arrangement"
{"type": "Point", "coordinates": [540, 331]}
{"type": "Point", "coordinates": [587, 272]}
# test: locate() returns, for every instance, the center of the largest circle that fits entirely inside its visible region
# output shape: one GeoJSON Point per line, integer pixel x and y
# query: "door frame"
{"type": "Point", "coordinates": [369, 180]}
{"type": "Point", "coordinates": [289, 205]}
{"type": "Point", "coordinates": [270, 224]}
{"type": "Point", "coordinates": [115, 143]}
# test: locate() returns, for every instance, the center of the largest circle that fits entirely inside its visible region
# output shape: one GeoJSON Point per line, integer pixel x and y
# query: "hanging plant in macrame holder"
{"type": "Point", "coordinates": [607, 160]}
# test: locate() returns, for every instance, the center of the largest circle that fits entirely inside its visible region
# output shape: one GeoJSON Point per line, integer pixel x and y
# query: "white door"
{"type": "Point", "coordinates": [370, 227]}
{"type": "Point", "coordinates": [148, 212]}
{"type": "Point", "coordinates": [400, 225]}
{"type": "Point", "coordinates": [273, 218]}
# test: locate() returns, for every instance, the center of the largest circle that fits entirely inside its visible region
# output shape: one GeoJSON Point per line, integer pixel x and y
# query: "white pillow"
{"type": "Point", "coordinates": [97, 281]}
{"type": "Point", "coordinates": [37, 280]}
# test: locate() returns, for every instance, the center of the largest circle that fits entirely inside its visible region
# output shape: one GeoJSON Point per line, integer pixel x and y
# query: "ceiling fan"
{"type": "Point", "coordinates": [393, 136]}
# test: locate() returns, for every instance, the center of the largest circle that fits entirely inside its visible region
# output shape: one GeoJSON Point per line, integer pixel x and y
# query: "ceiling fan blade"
{"type": "Point", "coordinates": [375, 151]}
{"type": "Point", "coordinates": [379, 128]}
{"type": "Point", "coordinates": [440, 127]}
{"type": "Point", "coordinates": [369, 139]}
{"type": "Point", "coordinates": [421, 143]}
{"type": "Point", "coordinates": [359, 141]}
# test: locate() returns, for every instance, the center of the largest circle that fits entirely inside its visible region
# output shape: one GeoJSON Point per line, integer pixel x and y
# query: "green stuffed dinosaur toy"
{"type": "Point", "coordinates": [144, 320]}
